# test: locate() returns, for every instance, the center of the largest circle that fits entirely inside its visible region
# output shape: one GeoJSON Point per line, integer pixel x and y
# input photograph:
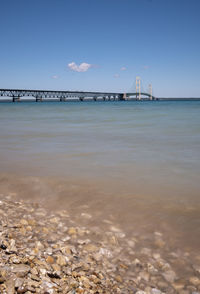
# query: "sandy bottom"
{"type": "Point", "coordinates": [108, 201]}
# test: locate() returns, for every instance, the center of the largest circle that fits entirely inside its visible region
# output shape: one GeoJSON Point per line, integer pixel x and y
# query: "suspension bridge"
{"type": "Point", "coordinates": [17, 95]}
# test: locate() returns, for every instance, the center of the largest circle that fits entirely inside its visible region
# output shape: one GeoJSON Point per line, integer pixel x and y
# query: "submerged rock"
{"type": "Point", "coordinates": [51, 253]}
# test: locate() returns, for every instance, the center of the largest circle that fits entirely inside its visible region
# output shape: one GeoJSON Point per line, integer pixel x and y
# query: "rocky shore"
{"type": "Point", "coordinates": [45, 252]}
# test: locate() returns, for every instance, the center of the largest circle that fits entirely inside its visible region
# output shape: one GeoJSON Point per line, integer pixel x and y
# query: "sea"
{"type": "Point", "coordinates": [137, 162]}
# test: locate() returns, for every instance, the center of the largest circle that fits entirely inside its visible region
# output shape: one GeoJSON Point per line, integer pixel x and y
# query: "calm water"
{"type": "Point", "coordinates": [139, 161]}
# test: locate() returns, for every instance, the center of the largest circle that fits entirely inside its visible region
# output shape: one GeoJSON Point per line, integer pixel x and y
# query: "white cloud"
{"type": "Point", "coordinates": [79, 68]}
{"type": "Point", "coordinates": [55, 77]}
{"type": "Point", "coordinates": [116, 76]}
{"type": "Point", "coordinates": [123, 68]}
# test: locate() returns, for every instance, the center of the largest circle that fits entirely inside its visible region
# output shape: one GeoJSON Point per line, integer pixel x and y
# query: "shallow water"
{"type": "Point", "coordinates": [135, 162]}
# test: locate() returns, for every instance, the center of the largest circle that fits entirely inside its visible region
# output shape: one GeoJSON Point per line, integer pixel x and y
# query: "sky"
{"type": "Point", "coordinates": [101, 45]}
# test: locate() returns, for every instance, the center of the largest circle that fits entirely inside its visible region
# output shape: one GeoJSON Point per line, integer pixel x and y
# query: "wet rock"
{"type": "Point", "coordinates": [22, 290]}
{"type": "Point", "coordinates": [169, 276]}
{"type": "Point", "coordinates": [159, 243]}
{"type": "Point", "coordinates": [2, 246]}
{"type": "Point", "coordinates": [24, 222]}
{"type": "Point", "coordinates": [20, 270]}
{"type": "Point", "coordinates": [72, 231]}
{"type": "Point", "coordinates": [86, 215]}
{"type": "Point", "coordinates": [19, 282]}
{"type": "Point", "coordinates": [50, 260]}
{"type": "Point", "coordinates": [39, 245]}
{"type": "Point", "coordinates": [51, 253]}
{"type": "Point", "coordinates": [179, 284]}
{"type": "Point", "coordinates": [144, 275]}
{"type": "Point", "coordinates": [184, 292]}
{"type": "Point", "coordinates": [10, 286]}
{"type": "Point", "coordinates": [90, 247]}
{"type": "Point", "coordinates": [194, 281]}
{"type": "Point", "coordinates": [61, 260]}
{"type": "Point", "coordinates": [155, 291]}
{"type": "Point", "coordinates": [196, 268]}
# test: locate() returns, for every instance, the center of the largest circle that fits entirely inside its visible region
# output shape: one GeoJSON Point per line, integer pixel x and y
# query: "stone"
{"type": "Point", "coordinates": [119, 279]}
{"type": "Point", "coordinates": [169, 276]}
{"type": "Point", "coordinates": [179, 284]}
{"type": "Point", "coordinates": [90, 247]}
{"type": "Point", "coordinates": [39, 245]}
{"type": "Point", "coordinates": [49, 253]}
{"type": "Point", "coordinates": [159, 243]}
{"type": "Point", "coordinates": [34, 271]}
{"type": "Point", "coordinates": [144, 275]}
{"type": "Point", "coordinates": [19, 282]}
{"type": "Point", "coordinates": [194, 281]}
{"type": "Point", "coordinates": [22, 290]}
{"type": "Point", "coordinates": [20, 270]}
{"type": "Point", "coordinates": [196, 268]}
{"type": "Point", "coordinates": [10, 286]}
{"type": "Point", "coordinates": [184, 292]}
{"type": "Point", "coordinates": [34, 277]}
{"type": "Point", "coordinates": [61, 260]}
{"type": "Point", "coordinates": [50, 260]}
{"type": "Point", "coordinates": [86, 215]}
{"type": "Point", "coordinates": [155, 291]}
{"type": "Point", "coordinates": [24, 222]}
{"type": "Point", "coordinates": [72, 231]}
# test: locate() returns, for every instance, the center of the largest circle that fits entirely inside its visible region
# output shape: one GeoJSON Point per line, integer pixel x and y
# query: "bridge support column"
{"type": "Point", "coordinates": [121, 97]}
{"type": "Point", "coordinates": [38, 99]}
{"type": "Point", "coordinates": [62, 99]}
{"type": "Point", "coordinates": [95, 98]}
{"type": "Point", "coordinates": [81, 98]}
{"type": "Point", "coordinates": [16, 99]}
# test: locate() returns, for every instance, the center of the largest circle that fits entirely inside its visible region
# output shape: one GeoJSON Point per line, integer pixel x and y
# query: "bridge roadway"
{"type": "Point", "coordinates": [40, 95]}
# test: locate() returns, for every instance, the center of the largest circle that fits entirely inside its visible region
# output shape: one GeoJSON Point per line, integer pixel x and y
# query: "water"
{"type": "Point", "coordinates": [137, 162]}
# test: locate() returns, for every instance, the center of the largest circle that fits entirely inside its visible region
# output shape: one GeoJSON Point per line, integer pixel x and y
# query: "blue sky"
{"type": "Point", "coordinates": [101, 45]}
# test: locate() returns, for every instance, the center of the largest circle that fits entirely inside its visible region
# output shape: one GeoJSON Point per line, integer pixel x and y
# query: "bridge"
{"type": "Point", "coordinates": [41, 95]}
{"type": "Point", "coordinates": [137, 97]}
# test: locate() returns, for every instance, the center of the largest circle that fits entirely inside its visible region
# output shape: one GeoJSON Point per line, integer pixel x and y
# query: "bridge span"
{"type": "Point", "coordinates": [41, 95]}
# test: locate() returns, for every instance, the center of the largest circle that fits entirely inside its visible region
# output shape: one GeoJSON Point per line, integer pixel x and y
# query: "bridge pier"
{"type": "Point", "coordinates": [95, 98]}
{"type": "Point", "coordinates": [38, 99]}
{"type": "Point", "coordinates": [121, 97]}
{"type": "Point", "coordinates": [81, 98]}
{"type": "Point", "coordinates": [62, 99]}
{"type": "Point", "coordinates": [16, 99]}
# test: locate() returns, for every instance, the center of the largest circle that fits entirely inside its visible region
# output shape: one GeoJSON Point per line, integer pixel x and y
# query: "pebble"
{"type": "Point", "coordinates": [61, 260]}
{"type": "Point", "coordinates": [194, 281]}
{"type": "Point", "coordinates": [50, 260]}
{"type": "Point", "coordinates": [51, 253]}
{"type": "Point", "coordinates": [155, 291]}
{"type": "Point", "coordinates": [20, 270]}
{"type": "Point", "coordinates": [169, 276]}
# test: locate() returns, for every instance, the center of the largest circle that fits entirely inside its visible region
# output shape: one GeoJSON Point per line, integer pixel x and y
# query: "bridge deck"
{"type": "Point", "coordinates": [39, 95]}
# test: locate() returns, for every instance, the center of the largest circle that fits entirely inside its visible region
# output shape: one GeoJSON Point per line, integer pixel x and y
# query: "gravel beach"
{"type": "Point", "coordinates": [45, 252]}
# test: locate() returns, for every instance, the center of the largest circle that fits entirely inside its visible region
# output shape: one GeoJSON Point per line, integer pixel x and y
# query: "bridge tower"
{"type": "Point", "coordinates": [138, 88]}
{"type": "Point", "coordinates": [150, 91]}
